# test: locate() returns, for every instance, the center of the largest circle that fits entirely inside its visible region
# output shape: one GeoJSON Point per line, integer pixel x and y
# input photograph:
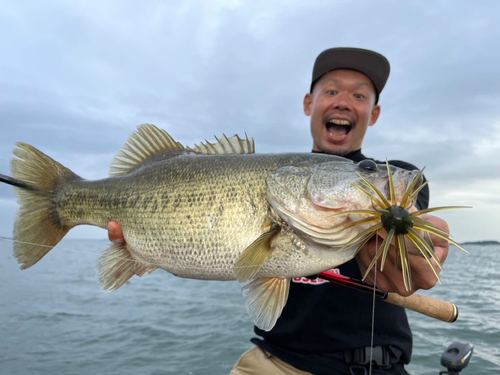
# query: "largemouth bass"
{"type": "Point", "coordinates": [216, 211]}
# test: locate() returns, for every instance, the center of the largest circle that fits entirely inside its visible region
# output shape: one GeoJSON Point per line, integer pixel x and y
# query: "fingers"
{"type": "Point", "coordinates": [441, 246]}
{"type": "Point", "coordinates": [115, 233]}
{"type": "Point", "coordinates": [391, 279]}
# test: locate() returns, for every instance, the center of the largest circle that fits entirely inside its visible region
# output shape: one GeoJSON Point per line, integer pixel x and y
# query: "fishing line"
{"type": "Point", "coordinates": [373, 309]}
{"type": "Point", "coordinates": [103, 254]}
{"type": "Point", "coordinates": [26, 243]}
{"type": "Point", "coordinates": [76, 251]}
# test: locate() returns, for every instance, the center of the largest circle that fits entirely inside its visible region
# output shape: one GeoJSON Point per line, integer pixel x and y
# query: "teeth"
{"type": "Point", "coordinates": [335, 136]}
{"type": "Point", "coordinates": [339, 122]}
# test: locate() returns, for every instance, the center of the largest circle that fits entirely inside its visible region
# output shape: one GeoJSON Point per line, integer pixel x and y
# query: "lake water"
{"type": "Point", "coordinates": [55, 320]}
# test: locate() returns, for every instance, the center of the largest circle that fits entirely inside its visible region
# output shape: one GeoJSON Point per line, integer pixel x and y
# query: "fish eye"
{"type": "Point", "coordinates": [367, 165]}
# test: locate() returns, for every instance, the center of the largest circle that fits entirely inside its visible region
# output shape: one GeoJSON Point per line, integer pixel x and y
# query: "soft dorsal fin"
{"type": "Point", "coordinates": [145, 142]}
{"type": "Point", "coordinates": [225, 145]}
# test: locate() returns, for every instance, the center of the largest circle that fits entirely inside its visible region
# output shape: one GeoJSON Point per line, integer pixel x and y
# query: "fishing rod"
{"type": "Point", "coordinates": [432, 307]}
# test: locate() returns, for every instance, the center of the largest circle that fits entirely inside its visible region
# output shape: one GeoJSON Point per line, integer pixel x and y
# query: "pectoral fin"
{"type": "Point", "coordinates": [265, 299]}
{"type": "Point", "coordinates": [254, 256]}
{"type": "Point", "coordinates": [116, 265]}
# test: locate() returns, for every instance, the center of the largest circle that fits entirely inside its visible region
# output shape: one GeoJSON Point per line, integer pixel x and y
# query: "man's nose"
{"type": "Point", "coordinates": [342, 101]}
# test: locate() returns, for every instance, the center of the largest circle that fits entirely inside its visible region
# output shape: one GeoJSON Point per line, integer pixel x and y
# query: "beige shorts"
{"type": "Point", "coordinates": [258, 362]}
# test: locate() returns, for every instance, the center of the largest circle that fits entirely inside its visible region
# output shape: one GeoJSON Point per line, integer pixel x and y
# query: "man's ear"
{"type": "Point", "coordinates": [307, 104]}
{"type": "Point", "coordinates": [374, 115]}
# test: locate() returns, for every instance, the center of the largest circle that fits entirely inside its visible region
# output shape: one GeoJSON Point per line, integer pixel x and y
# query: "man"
{"type": "Point", "coordinates": [325, 328]}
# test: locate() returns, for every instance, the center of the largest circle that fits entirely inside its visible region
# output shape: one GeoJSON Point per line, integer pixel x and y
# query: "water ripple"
{"type": "Point", "coordinates": [55, 319]}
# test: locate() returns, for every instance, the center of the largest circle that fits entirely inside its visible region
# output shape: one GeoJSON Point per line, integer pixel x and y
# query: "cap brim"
{"type": "Point", "coordinates": [372, 64]}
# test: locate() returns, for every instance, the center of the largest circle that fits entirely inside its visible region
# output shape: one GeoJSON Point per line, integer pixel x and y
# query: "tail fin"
{"type": "Point", "coordinates": [37, 178]}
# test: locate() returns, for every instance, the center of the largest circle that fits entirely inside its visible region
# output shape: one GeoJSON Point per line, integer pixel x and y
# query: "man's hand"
{"type": "Point", "coordinates": [391, 280]}
{"type": "Point", "coordinates": [115, 233]}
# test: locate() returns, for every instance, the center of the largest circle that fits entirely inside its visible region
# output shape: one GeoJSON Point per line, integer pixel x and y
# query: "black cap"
{"type": "Point", "coordinates": [370, 63]}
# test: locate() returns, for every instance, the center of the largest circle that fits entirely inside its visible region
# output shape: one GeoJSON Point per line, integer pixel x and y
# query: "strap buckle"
{"type": "Point", "coordinates": [381, 356]}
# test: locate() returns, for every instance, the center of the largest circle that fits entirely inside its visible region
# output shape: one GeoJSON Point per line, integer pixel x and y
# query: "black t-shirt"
{"type": "Point", "coordinates": [324, 318]}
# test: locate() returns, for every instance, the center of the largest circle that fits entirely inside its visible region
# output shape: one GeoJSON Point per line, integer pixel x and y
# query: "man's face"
{"type": "Point", "coordinates": [341, 106]}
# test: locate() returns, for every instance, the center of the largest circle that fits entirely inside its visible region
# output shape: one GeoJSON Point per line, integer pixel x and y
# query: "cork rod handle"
{"type": "Point", "coordinates": [435, 308]}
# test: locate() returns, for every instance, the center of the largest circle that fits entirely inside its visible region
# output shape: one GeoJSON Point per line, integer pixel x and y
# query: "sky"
{"type": "Point", "coordinates": [77, 77]}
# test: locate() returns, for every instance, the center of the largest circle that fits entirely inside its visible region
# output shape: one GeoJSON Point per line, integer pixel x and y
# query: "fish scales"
{"type": "Point", "coordinates": [190, 215]}
{"type": "Point", "coordinates": [216, 211]}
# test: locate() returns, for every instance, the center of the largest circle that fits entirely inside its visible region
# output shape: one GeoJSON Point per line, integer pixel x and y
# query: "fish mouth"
{"type": "Point", "coordinates": [338, 128]}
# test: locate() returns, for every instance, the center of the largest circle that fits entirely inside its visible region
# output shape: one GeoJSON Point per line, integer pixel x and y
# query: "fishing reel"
{"type": "Point", "coordinates": [456, 357]}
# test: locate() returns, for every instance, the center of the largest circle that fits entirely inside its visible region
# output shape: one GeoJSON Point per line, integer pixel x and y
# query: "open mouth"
{"type": "Point", "coordinates": [338, 129]}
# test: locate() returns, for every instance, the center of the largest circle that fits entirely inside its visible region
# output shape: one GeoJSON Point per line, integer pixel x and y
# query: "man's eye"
{"type": "Point", "coordinates": [331, 92]}
{"type": "Point", "coordinates": [359, 96]}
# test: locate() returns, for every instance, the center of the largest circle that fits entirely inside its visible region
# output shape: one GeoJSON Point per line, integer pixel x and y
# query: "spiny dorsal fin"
{"type": "Point", "coordinates": [145, 142]}
{"type": "Point", "coordinates": [225, 145]}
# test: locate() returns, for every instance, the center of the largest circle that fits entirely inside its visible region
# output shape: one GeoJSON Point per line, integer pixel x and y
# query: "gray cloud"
{"type": "Point", "coordinates": [80, 76]}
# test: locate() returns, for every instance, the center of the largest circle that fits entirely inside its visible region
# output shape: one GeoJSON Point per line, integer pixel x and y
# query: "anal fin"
{"type": "Point", "coordinates": [265, 299]}
{"type": "Point", "coordinates": [116, 266]}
